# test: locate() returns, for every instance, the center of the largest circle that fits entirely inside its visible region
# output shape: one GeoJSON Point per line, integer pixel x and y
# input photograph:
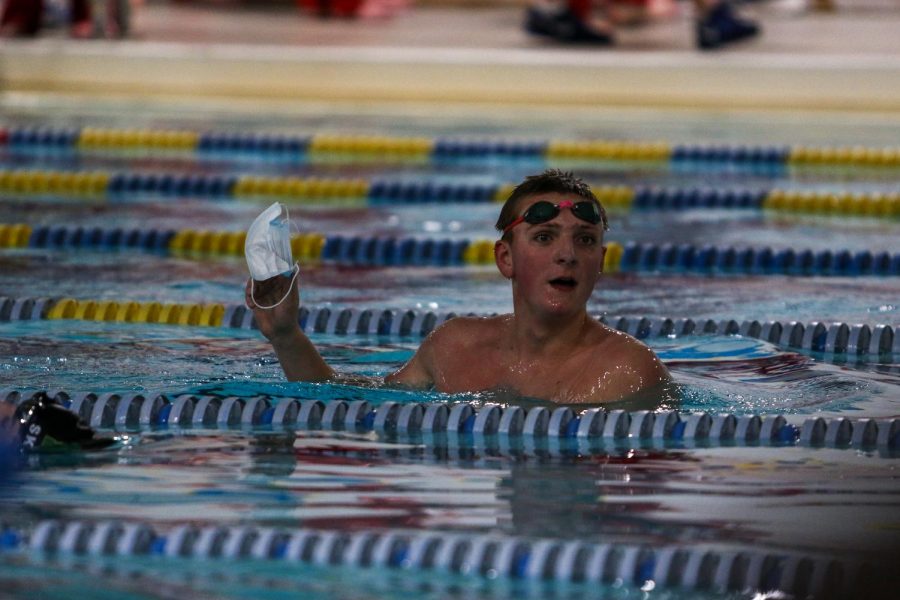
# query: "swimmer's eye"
{"type": "Point", "coordinates": [587, 240]}
{"type": "Point", "coordinates": [542, 236]}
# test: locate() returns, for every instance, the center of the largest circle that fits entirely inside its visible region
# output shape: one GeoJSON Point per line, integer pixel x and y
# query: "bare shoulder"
{"type": "Point", "coordinates": [623, 349]}
{"type": "Point", "coordinates": [462, 332]}
{"type": "Point", "coordinates": [618, 366]}
{"type": "Point", "coordinates": [449, 349]}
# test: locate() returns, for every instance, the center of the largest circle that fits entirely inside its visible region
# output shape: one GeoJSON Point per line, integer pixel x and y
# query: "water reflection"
{"type": "Point", "coordinates": [763, 496]}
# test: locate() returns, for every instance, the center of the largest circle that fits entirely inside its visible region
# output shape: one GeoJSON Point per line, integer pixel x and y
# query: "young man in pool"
{"type": "Point", "coordinates": [551, 250]}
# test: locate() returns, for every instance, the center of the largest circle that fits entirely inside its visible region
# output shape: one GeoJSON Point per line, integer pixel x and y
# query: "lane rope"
{"type": "Point", "coordinates": [831, 338]}
{"type": "Point", "coordinates": [719, 567]}
{"type": "Point", "coordinates": [391, 191]}
{"type": "Point", "coordinates": [407, 251]}
{"type": "Point", "coordinates": [360, 147]}
{"type": "Point", "coordinates": [510, 429]}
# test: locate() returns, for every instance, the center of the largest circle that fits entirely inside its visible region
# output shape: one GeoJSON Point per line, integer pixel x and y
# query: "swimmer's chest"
{"type": "Point", "coordinates": [491, 369]}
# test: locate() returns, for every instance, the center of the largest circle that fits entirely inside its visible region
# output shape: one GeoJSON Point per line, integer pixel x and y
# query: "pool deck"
{"type": "Point", "coordinates": [847, 60]}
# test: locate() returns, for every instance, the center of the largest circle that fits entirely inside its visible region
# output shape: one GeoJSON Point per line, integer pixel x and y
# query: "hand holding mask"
{"type": "Point", "coordinates": [268, 249]}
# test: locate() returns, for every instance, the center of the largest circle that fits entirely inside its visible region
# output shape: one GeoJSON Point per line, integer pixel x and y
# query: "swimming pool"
{"type": "Point", "coordinates": [127, 287]}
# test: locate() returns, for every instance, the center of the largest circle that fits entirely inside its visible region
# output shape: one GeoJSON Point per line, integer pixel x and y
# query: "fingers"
{"type": "Point", "coordinates": [259, 293]}
{"type": "Point", "coordinates": [270, 291]}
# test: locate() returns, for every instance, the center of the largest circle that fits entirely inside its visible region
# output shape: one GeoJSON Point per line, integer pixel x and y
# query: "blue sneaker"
{"type": "Point", "coordinates": [538, 22]}
{"type": "Point", "coordinates": [721, 26]}
{"type": "Point", "coordinates": [563, 26]}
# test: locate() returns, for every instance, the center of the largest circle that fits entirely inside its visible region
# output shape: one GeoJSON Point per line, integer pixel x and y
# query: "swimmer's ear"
{"type": "Point", "coordinates": [602, 258]}
{"type": "Point", "coordinates": [503, 258]}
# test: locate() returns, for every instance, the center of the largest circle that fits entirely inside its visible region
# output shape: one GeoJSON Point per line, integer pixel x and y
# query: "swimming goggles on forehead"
{"type": "Point", "coordinates": [543, 211]}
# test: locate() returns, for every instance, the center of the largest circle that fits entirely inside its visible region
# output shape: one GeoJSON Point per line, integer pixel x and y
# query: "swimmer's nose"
{"type": "Point", "coordinates": [565, 251]}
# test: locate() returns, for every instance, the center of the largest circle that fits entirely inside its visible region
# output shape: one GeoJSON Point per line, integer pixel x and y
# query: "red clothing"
{"type": "Point", "coordinates": [23, 17]}
{"type": "Point", "coordinates": [580, 8]}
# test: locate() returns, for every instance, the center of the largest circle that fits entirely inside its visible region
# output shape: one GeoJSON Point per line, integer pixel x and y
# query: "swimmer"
{"type": "Point", "coordinates": [40, 423]}
{"type": "Point", "coordinates": [551, 250]}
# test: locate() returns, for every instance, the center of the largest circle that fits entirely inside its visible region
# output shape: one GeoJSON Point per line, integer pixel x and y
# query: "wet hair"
{"type": "Point", "coordinates": [549, 182]}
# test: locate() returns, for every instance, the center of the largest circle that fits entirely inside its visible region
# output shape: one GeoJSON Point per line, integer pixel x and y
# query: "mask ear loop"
{"type": "Point", "coordinates": [296, 271]}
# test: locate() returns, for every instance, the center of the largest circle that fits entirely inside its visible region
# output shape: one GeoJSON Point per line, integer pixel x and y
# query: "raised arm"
{"type": "Point", "coordinates": [298, 357]}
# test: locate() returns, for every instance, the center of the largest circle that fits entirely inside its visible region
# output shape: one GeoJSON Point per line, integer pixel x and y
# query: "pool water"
{"type": "Point", "coordinates": [715, 373]}
{"type": "Point", "coordinates": [829, 503]}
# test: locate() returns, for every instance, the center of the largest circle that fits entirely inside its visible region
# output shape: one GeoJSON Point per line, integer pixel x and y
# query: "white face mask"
{"type": "Point", "coordinates": [268, 247]}
{"type": "Point", "coordinates": [268, 244]}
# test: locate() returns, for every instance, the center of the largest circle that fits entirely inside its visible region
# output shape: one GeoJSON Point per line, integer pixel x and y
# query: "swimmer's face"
{"type": "Point", "coordinates": [554, 265]}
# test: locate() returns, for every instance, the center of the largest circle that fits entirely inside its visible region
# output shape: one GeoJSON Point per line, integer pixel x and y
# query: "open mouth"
{"type": "Point", "coordinates": [563, 283]}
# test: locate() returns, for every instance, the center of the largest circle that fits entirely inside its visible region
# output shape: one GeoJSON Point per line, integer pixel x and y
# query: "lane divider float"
{"type": "Point", "coordinates": [835, 339]}
{"type": "Point", "coordinates": [190, 314]}
{"type": "Point", "coordinates": [507, 428]}
{"type": "Point", "coordinates": [378, 251]}
{"type": "Point", "coordinates": [392, 191]}
{"type": "Point", "coordinates": [298, 147]}
{"type": "Point", "coordinates": [711, 568]}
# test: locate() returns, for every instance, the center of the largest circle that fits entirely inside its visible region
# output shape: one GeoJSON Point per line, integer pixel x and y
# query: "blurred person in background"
{"type": "Point", "coordinates": [349, 9]}
{"type": "Point", "coordinates": [86, 18]}
{"type": "Point", "coordinates": [575, 21]}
